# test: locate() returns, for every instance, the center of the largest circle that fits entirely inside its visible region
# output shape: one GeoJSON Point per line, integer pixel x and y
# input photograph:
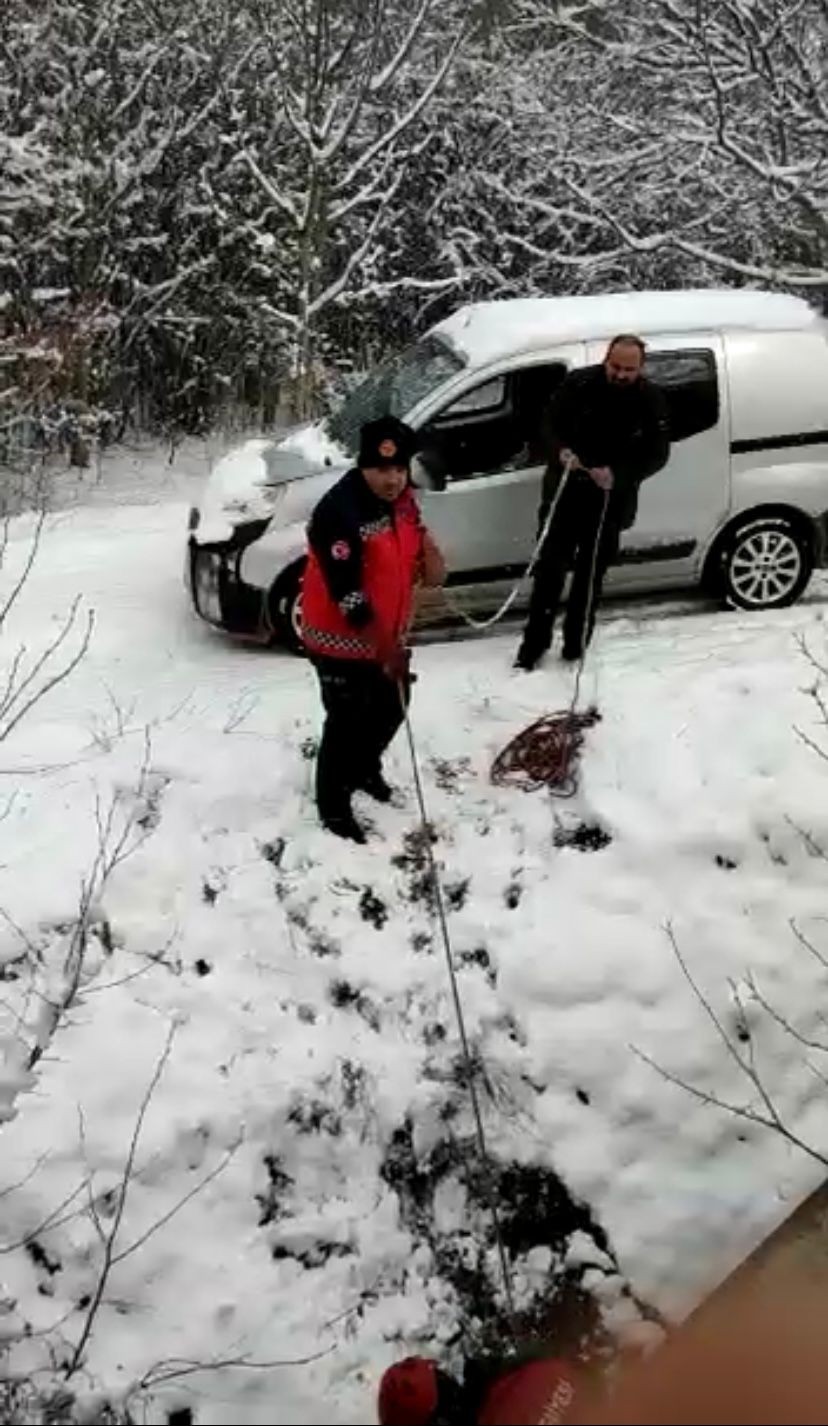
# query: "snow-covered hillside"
{"type": "Point", "coordinates": [303, 1187]}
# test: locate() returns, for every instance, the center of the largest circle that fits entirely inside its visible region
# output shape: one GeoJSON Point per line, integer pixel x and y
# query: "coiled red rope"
{"type": "Point", "coordinates": [547, 754]}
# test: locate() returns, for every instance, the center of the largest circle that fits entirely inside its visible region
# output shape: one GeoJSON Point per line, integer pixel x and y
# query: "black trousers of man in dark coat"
{"type": "Point", "coordinates": [584, 538]}
{"type": "Point", "coordinates": [363, 712]}
{"type": "Point", "coordinates": [618, 434]}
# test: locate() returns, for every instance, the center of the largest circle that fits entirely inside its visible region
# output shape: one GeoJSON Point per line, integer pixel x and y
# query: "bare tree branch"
{"type": "Point", "coordinates": [9, 600]}
{"type": "Point", "coordinates": [109, 1258]}
{"type": "Point", "coordinates": [178, 1369]}
{"type": "Point", "coordinates": [808, 945]}
{"type": "Point", "coordinates": [768, 1117]}
{"type": "Point", "coordinates": [22, 697]}
{"type": "Point", "coordinates": [177, 1207]}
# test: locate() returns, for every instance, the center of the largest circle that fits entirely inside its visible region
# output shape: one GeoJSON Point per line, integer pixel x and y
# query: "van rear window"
{"type": "Point", "coordinates": [689, 380]}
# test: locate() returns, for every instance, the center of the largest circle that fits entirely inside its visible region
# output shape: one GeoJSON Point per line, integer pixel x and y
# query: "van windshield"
{"type": "Point", "coordinates": [394, 388]}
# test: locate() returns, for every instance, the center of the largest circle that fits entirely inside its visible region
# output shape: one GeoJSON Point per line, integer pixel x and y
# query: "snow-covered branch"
{"type": "Point", "coordinates": [762, 1110]}
{"type": "Point", "coordinates": [405, 120]}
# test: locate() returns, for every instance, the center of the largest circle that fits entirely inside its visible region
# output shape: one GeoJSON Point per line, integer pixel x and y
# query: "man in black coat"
{"type": "Point", "coordinates": [608, 425]}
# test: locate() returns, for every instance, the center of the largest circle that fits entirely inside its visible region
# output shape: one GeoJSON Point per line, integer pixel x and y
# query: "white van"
{"type": "Point", "coordinates": [741, 507]}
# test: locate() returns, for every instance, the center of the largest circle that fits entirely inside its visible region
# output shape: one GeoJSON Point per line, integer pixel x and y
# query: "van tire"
{"type": "Point", "coordinates": [285, 609]}
{"type": "Point", "coordinates": [766, 562]}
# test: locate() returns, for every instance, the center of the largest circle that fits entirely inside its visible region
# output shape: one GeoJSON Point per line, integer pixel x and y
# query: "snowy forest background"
{"type": "Point", "coordinates": [212, 210]}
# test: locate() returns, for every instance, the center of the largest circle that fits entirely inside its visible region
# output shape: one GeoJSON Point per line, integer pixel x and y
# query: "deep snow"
{"type": "Point", "coordinates": [314, 1059]}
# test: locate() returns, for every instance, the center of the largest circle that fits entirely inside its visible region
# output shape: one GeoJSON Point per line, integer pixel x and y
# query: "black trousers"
{"type": "Point", "coordinates": [570, 544]}
{"type": "Point", "coordinates": [364, 709]}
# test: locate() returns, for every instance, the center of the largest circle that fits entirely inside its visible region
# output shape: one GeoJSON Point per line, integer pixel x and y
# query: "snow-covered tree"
{"type": "Point", "coordinates": [701, 135]}
{"type": "Point", "coordinates": [332, 144]}
{"type": "Point", "coordinates": [204, 204]}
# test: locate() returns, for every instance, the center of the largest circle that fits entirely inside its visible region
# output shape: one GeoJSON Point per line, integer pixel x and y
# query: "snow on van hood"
{"type": "Point", "coordinates": [248, 483]}
{"type": "Point", "coordinates": [312, 445]}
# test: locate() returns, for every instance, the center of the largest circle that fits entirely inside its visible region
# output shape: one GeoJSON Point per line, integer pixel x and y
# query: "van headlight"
{"type": "Point", "coordinates": [260, 503]}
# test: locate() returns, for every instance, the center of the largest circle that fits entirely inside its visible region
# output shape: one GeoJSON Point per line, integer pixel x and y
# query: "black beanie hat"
{"type": "Point", "coordinates": [386, 442]}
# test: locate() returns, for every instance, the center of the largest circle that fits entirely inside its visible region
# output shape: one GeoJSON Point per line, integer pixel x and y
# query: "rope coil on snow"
{"type": "Point", "coordinates": [546, 754]}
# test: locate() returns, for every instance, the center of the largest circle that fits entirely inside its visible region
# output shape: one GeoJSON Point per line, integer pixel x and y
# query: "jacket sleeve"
{"type": "Point", "coordinates": [559, 425]}
{"type": "Point", "coordinates": [656, 451]}
{"type": "Point", "coordinates": [653, 449]}
{"type": "Point", "coordinates": [432, 563]}
{"type": "Point", "coordinates": [337, 544]}
{"type": "Point", "coordinates": [558, 429]}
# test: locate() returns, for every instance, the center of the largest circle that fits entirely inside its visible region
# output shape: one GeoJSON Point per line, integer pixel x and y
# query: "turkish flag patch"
{"type": "Point", "coordinates": [341, 550]}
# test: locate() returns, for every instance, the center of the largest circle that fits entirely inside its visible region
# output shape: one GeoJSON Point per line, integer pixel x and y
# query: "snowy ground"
{"type": "Point", "coordinates": [309, 1133]}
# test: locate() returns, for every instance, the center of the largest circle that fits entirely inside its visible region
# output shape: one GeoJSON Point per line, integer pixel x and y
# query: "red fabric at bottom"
{"type": "Point", "coordinates": [538, 1394]}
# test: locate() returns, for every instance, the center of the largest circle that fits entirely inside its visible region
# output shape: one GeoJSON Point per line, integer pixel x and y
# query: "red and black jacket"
{"type": "Point", "coordinates": [363, 561]}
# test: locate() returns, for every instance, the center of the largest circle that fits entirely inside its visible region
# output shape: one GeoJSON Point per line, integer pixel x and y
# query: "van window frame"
{"type": "Point", "coordinates": [569, 359]}
{"type": "Point", "coordinates": [711, 359]}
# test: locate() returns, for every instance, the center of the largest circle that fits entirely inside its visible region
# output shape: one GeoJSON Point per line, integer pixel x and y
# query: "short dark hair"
{"type": "Point", "coordinates": [627, 339]}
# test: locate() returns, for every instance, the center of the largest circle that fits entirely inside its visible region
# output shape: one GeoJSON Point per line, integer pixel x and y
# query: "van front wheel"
{"type": "Point", "coordinates": [766, 564]}
{"type": "Point", "coordinates": [286, 609]}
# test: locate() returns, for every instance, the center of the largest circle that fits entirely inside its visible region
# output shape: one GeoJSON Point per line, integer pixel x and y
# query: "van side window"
{"type": "Point", "coordinates": [496, 426]}
{"type": "Point", "coordinates": [487, 398]}
{"type": "Point", "coordinates": [690, 383]}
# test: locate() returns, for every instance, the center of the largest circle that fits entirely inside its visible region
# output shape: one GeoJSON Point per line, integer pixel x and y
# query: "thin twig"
{"type": "Point", "coordinates": [704, 1096]}
{"type": "Point", "coordinates": [817, 852]}
{"type": "Point", "coordinates": [811, 743]}
{"type": "Point", "coordinates": [781, 1020]}
{"type": "Point", "coordinates": [808, 945]}
{"type": "Point", "coordinates": [123, 980]}
{"type": "Point", "coordinates": [109, 855]}
{"type": "Point", "coordinates": [52, 1220]}
{"type": "Point", "coordinates": [15, 711]}
{"type": "Point", "coordinates": [18, 930]}
{"type": "Point", "coordinates": [14, 1187]}
{"type": "Point", "coordinates": [93, 1210]}
{"type": "Point", "coordinates": [176, 1208]}
{"type": "Point", "coordinates": [112, 1236]}
{"type": "Point", "coordinates": [770, 1118]}
{"type": "Point", "coordinates": [17, 588]}
{"type": "Point", "coordinates": [176, 1368]}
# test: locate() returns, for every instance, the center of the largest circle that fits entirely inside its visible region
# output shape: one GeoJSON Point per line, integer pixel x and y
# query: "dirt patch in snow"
{"type": "Point", "coordinates": [585, 837]}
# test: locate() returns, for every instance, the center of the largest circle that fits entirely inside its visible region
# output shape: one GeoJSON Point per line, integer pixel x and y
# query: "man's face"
{"type": "Point", "coordinates": [388, 482]}
{"type": "Point", "coordinates": [624, 364]}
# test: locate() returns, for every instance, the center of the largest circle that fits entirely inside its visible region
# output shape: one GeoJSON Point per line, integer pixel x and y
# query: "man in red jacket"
{"type": "Point", "coordinates": [368, 548]}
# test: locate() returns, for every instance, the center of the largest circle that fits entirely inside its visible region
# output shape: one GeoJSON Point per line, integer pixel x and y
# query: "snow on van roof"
{"type": "Point", "coordinates": [483, 331]}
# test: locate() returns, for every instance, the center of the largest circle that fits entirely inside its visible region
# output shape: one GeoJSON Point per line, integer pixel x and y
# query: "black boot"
{"type": "Point", "coordinates": [345, 825]}
{"type": "Point", "coordinates": [375, 786]}
{"type": "Point", "coordinates": [527, 658]}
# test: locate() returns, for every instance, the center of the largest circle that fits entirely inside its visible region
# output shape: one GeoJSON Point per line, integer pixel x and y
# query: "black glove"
{"type": "Point", "coordinates": [357, 609]}
{"type": "Point", "coordinates": [396, 662]}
